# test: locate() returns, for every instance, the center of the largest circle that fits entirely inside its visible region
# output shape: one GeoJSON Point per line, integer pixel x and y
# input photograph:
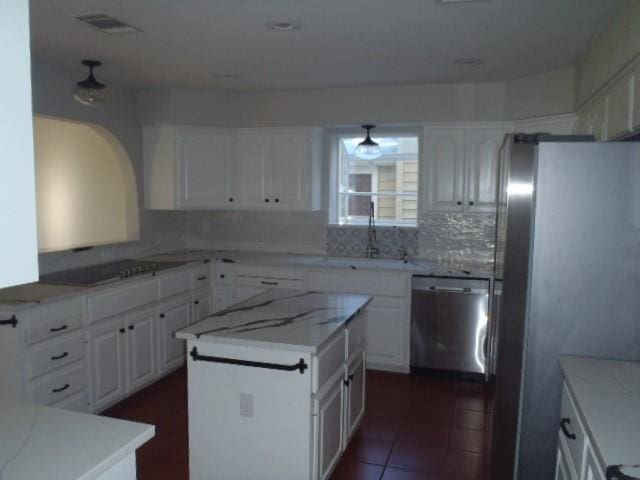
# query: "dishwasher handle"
{"type": "Point", "coordinates": [435, 288]}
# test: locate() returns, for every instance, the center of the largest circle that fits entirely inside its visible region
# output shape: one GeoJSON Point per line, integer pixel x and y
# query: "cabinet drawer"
{"type": "Point", "coordinates": [201, 276]}
{"type": "Point", "coordinates": [575, 446]}
{"type": "Point", "coordinates": [76, 403]}
{"type": "Point", "coordinates": [328, 360]}
{"type": "Point", "coordinates": [57, 386]}
{"type": "Point", "coordinates": [122, 299]}
{"type": "Point", "coordinates": [358, 282]}
{"type": "Point", "coordinates": [356, 333]}
{"type": "Point", "coordinates": [270, 282]}
{"type": "Point", "coordinates": [53, 319]}
{"type": "Point", "coordinates": [175, 283]}
{"type": "Point", "coordinates": [55, 354]}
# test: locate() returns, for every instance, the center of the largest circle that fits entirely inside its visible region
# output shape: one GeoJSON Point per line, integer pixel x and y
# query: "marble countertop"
{"type": "Point", "coordinates": [283, 319]}
{"type": "Point", "coordinates": [47, 443]}
{"type": "Point", "coordinates": [608, 397]}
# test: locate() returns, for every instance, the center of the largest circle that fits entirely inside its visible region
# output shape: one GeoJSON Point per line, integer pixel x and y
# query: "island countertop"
{"type": "Point", "coordinates": [284, 319]}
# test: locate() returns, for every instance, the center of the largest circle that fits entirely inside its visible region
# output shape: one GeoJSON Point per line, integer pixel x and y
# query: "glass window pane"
{"type": "Point", "coordinates": [388, 209]}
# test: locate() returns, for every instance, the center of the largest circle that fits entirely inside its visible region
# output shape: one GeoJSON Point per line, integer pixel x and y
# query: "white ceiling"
{"type": "Point", "coordinates": [185, 43]}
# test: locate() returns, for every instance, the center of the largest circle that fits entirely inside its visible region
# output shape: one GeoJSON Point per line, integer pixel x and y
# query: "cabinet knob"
{"type": "Point", "coordinates": [458, 203]}
{"type": "Point", "coordinates": [162, 315]}
{"type": "Point", "coordinates": [231, 199]}
{"type": "Point", "coordinates": [196, 302]}
{"type": "Point", "coordinates": [222, 275]}
{"type": "Point", "coordinates": [266, 200]}
{"type": "Point", "coordinates": [121, 330]}
{"type": "Point", "coordinates": [131, 327]}
{"type": "Point", "coordinates": [470, 203]}
{"type": "Point", "coordinates": [277, 200]}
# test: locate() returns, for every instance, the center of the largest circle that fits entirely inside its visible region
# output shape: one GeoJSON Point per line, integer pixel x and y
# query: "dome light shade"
{"type": "Point", "coordinates": [90, 91]}
{"type": "Point", "coordinates": [368, 149]}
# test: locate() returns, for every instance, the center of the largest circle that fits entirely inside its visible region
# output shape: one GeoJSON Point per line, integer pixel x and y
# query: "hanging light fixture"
{"type": "Point", "coordinates": [90, 91]}
{"type": "Point", "coordinates": [368, 149]}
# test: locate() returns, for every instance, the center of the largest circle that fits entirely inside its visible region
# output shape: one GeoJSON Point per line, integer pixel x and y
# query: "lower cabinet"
{"type": "Point", "coordinates": [386, 335]}
{"type": "Point", "coordinates": [354, 394]}
{"type": "Point", "coordinates": [172, 315]}
{"type": "Point", "coordinates": [122, 357]}
{"type": "Point", "coordinates": [329, 428]}
{"type": "Point", "coordinates": [200, 306]}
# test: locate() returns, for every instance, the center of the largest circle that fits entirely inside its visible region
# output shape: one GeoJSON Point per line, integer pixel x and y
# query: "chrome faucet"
{"type": "Point", "coordinates": [371, 250]}
{"type": "Point", "coordinates": [404, 253]}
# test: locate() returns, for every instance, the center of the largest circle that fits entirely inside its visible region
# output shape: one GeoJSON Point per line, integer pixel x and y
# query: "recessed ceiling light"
{"type": "Point", "coordinates": [284, 25]}
{"type": "Point", "coordinates": [468, 62]}
{"type": "Point", "coordinates": [106, 23]}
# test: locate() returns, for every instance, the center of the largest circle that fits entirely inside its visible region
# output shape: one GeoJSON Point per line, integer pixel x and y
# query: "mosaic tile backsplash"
{"type": "Point", "coordinates": [452, 239]}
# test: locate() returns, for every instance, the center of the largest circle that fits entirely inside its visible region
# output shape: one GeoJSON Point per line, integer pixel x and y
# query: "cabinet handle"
{"type": "Point", "coordinates": [563, 426]}
{"type": "Point", "coordinates": [61, 356]}
{"type": "Point", "coordinates": [264, 282]}
{"type": "Point", "coordinates": [61, 389]}
{"type": "Point", "coordinates": [59, 329]}
{"type": "Point", "coordinates": [13, 321]}
{"type": "Point", "coordinates": [348, 381]}
{"type": "Point", "coordinates": [266, 200]}
{"type": "Point", "coordinates": [131, 327]}
{"type": "Point", "coordinates": [204, 277]}
{"type": "Point", "coordinates": [121, 330]}
{"type": "Point", "coordinates": [458, 203]}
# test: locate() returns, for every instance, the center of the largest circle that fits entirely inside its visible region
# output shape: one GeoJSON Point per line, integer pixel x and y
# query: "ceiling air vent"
{"type": "Point", "coordinates": [106, 24]}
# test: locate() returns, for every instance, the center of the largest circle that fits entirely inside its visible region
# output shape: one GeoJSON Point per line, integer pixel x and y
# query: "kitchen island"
{"type": "Point", "coordinates": [276, 385]}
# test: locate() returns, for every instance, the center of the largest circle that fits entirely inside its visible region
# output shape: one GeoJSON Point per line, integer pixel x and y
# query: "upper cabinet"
{"type": "Point", "coordinates": [279, 169]}
{"type": "Point", "coordinates": [188, 167]}
{"type": "Point", "coordinates": [202, 167]}
{"type": "Point", "coordinates": [18, 242]}
{"type": "Point", "coordinates": [461, 168]}
{"type": "Point", "coordinates": [613, 113]}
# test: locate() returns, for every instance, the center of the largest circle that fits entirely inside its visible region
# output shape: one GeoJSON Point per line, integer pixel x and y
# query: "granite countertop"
{"type": "Point", "coordinates": [608, 397]}
{"type": "Point", "coordinates": [45, 443]}
{"type": "Point", "coordinates": [283, 319]}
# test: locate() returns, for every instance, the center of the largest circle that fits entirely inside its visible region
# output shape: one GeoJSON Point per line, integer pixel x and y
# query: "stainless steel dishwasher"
{"type": "Point", "coordinates": [449, 324]}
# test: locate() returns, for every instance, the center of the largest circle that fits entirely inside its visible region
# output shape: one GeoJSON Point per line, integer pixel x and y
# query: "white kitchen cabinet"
{"type": "Point", "coordinates": [461, 168]}
{"type": "Point", "coordinates": [141, 349]}
{"type": "Point", "coordinates": [592, 119]}
{"type": "Point", "coordinates": [19, 240]}
{"type": "Point", "coordinates": [108, 363]}
{"type": "Point", "coordinates": [173, 315]}
{"type": "Point", "coordinates": [619, 108]}
{"type": "Point", "coordinates": [222, 297]}
{"type": "Point", "coordinates": [200, 305]}
{"type": "Point", "coordinates": [354, 393]}
{"type": "Point", "coordinates": [279, 169]}
{"type": "Point", "coordinates": [444, 180]}
{"type": "Point", "coordinates": [241, 293]}
{"type": "Point", "coordinates": [329, 435]}
{"type": "Point", "coordinates": [386, 319]}
{"type": "Point", "coordinates": [635, 123]}
{"type": "Point", "coordinates": [188, 167]}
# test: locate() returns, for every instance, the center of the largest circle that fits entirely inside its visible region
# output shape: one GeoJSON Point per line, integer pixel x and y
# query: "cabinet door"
{"type": "Point", "coordinates": [254, 160]}
{"type": "Point", "coordinates": [355, 389]}
{"type": "Point", "coordinates": [289, 176]}
{"type": "Point", "coordinates": [222, 297]}
{"type": "Point", "coordinates": [107, 355]}
{"type": "Point", "coordinates": [636, 100]}
{"type": "Point", "coordinates": [444, 156]}
{"type": "Point", "coordinates": [172, 316]}
{"type": "Point", "coordinates": [329, 429]}
{"type": "Point", "coordinates": [598, 119]}
{"type": "Point", "coordinates": [386, 332]}
{"type": "Point", "coordinates": [482, 148]}
{"type": "Point", "coordinates": [141, 349]}
{"type": "Point", "coordinates": [201, 306]}
{"type": "Point", "coordinates": [205, 160]}
{"type": "Point", "coordinates": [619, 104]}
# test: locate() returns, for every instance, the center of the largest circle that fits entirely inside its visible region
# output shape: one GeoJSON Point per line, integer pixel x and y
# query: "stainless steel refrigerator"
{"type": "Point", "coordinates": [568, 257]}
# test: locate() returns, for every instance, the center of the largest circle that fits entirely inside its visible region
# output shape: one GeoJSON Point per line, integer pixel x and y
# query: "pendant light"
{"type": "Point", "coordinates": [368, 149]}
{"type": "Point", "coordinates": [90, 91]}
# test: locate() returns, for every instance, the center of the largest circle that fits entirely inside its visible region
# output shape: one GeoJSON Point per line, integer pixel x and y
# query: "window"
{"type": "Point", "coordinates": [390, 181]}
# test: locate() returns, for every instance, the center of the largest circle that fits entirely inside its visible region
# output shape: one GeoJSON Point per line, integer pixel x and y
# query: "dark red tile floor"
{"type": "Point", "coordinates": [415, 428]}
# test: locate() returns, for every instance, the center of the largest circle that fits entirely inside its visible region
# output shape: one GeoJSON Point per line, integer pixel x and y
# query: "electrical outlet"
{"type": "Point", "coordinates": [246, 405]}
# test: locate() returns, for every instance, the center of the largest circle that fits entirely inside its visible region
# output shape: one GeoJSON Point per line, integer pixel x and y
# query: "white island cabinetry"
{"type": "Point", "coordinates": [282, 374]}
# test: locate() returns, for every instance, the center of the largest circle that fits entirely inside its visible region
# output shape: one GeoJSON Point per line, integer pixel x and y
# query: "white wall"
{"type": "Point", "coordinates": [539, 95]}
{"type": "Point", "coordinates": [52, 86]}
{"type": "Point", "coordinates": [617, 44]}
